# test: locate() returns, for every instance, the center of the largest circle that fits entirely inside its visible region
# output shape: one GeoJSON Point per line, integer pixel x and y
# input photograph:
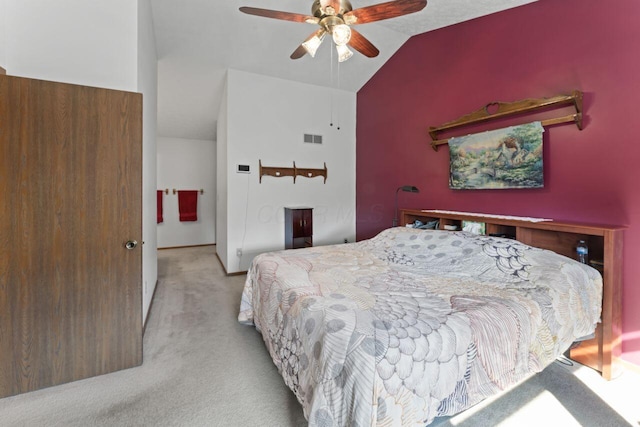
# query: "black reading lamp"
{"type": "Point", "coordinates": [408, 189]}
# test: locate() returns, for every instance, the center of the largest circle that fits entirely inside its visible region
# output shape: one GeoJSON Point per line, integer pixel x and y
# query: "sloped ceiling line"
{"type": "Point", "coordinates": [198, 40]}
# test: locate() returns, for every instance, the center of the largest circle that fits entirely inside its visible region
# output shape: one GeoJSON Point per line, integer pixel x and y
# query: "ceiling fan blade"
{"type": "Point", "coordinates": [301, 51]}
{"type": "Point", "coordinates": [275, 14]}
{"type": "Point", "coordinates": [391, 9]}
{"type": "Point", "coordinates": [362, 45]}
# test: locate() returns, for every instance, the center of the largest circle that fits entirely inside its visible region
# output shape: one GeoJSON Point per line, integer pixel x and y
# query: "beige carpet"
{"type": "Point", "coordinates": [202, 368]}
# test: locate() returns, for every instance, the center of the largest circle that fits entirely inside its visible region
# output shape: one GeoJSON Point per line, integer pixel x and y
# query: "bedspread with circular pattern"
{"type": "Point", "coordinates": [414, 324]}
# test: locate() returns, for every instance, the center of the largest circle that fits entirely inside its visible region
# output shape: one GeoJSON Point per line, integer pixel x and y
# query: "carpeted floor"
{"type": "Point", "coordinates": [202, 368]}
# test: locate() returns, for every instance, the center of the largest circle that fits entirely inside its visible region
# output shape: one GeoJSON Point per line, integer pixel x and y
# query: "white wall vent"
{"type": "Point", "coordinates": [312, 139]}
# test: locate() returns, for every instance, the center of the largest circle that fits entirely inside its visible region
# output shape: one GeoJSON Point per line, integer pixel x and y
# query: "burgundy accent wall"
{"type": "Point", "coordinates": [537, 50]}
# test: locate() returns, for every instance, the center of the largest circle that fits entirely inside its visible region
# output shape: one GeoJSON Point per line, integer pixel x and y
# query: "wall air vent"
{"type": "Point", "coordinates": [312, 139]}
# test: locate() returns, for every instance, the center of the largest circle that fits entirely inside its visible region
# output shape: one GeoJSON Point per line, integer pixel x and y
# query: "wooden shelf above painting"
{"type": "Point", "coordinates": [501, 110]}
{"type": "Point", "coordinates": [279, 172]}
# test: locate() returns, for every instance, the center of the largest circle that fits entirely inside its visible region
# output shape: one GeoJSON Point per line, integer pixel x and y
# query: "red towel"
{"type": "Point", "coordinates": [160, 219]}
{"type": "Point", "coordinates": [188, 205]}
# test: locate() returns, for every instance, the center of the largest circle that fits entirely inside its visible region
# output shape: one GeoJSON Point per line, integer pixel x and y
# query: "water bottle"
{"type": "Point", "coordinates": [583, 252]}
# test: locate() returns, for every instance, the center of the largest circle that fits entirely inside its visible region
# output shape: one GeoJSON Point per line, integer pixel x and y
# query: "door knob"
{"type": "Point", "coordinates": [131, 244]}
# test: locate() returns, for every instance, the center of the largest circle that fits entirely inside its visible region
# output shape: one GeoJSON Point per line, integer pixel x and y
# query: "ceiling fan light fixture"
{"type": "Point", "coordinates": [343, 52]}
{"type": "Point", "coordinates": [329, 10]}
{"type": "Point", "coordinates": [341, 34]}
{"type": "Point", "coordinates": [312, 45]}
{"type": "Point", "coordinates": [350, 19]}
{"type": "Point", "coordinates": [335, 17]}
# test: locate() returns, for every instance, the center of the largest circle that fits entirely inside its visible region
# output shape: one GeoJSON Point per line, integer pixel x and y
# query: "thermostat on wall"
{"type": "Point", "coordinates": [244, 169]}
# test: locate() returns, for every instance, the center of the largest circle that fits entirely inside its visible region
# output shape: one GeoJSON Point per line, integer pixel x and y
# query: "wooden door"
{"type": "Point", "coordinates": [307, 222]}
{"type": "Point", "coordinates": [297, 223]}
{"type": "Point", "coordinates": [70, 198]}
{"type": "Point", "coordinates": [301, 221]}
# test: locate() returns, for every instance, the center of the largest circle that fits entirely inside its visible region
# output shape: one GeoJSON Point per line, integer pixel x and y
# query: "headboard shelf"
{"type": "Point", "coordinates": [605, 247]}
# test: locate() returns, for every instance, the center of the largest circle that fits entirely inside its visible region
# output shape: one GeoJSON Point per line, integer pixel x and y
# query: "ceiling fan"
{"type": "Point", "coordinates": [335, 17]}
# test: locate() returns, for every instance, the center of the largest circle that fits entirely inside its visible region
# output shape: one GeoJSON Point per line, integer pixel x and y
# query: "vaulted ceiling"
{"type": "Point", "coordinates": [198, 40]}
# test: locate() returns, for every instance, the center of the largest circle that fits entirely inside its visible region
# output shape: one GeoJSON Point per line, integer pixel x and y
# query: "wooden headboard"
{"type": "Point", "coordinates": [605, 250]}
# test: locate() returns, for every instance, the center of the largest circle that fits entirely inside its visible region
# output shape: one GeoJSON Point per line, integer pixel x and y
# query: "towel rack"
{"type": "Point", "coordinates": [294, 172]}
{"type": "Point", "coordinates": [176, 191]}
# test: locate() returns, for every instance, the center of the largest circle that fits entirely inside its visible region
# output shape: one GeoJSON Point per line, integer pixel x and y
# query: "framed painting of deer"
{"type": "Point", "coordinates": [498, 159]}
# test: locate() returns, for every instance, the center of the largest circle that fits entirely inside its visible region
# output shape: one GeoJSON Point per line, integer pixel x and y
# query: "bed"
{"type": "Point", "coordinates": [415, 324]}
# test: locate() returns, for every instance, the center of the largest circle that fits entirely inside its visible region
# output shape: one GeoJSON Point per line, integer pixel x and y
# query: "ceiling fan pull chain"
{"type": "Point", "coordinates": [331, 89]}
{"type": "Point", "coordinates": [337, 108]}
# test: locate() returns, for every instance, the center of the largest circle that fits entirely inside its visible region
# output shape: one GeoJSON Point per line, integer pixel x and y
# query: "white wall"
{"type": "Point", "coordinates": [91, 43]}
{"type": "Point", "coordinates": [107, 44]}
{"type": "Point", "coordinates": [148, 85]}
{"type": "Point", "coordinates": [267, 118]}
{"type": "Point", "coordinates": [221, 178]}
{"type": "Point", "coordinates": [3, 34]}
{"type": "Point", "coordinates": [187, 164]}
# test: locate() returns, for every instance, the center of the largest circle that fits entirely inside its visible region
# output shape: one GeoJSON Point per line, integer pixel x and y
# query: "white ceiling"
{"type": "Point", "coordinates": [198, 40]}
